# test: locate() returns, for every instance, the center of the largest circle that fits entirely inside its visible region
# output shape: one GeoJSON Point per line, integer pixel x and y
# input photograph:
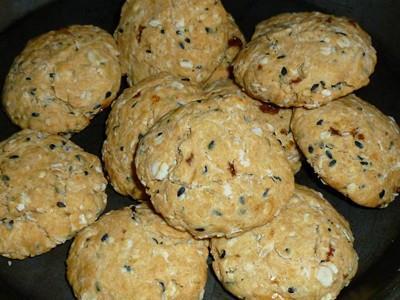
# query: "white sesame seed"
{"type": "Point", "coordinates": [187, 64]}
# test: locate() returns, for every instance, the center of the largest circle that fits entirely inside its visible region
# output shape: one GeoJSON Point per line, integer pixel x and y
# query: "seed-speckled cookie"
{"type": "Point", "coordinates": [132, 115]}
{"type": "Point", "coordinates": [305, 59]}
{"type": "Point", "coordinates": [133, 254]}
{"type": "Point", "coordinates": [236, 42]}
{"type": "Point", "coordinates": [62, 79]}
{"type": "Point", "coordinates": [186, 38]}
{"type": "Point", "coordinates": [353, 147]}
{"type": "Point", "coordinates": [277, 118]}
{"type": "Point", "coordinates": [306, 252]}
{"type": "Point", "coordinates": [214, 169]}
{"type": "Point", "coordinates": [49, 190]}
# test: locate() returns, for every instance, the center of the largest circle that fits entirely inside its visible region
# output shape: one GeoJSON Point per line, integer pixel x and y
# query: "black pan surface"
{"type": "Point", "coordinates": [377, 231]}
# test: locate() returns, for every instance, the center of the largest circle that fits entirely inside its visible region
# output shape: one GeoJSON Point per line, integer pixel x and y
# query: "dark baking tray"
{"type": "Point", "coordinates": [376, 230]}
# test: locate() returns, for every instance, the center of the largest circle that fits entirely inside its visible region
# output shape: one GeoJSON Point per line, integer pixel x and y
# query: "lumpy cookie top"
{"type": "Point", "coordinates": [306, 252]}
{"type": "Point", "coordinates": [185, 38]}
{"type": "Point", "coordinates": [212, 168]}
{"type": "Point", "coordinates": [305, 59]}
{"type": "Point", "coordinates": [62, 79]}
{"type": "Point", "coordinates": [49, 190]}
{"type": "Point", "coordinates": [278, 119]}
{"type": "Point", "coordinates": [353, 147]}
{"type": "Point", "coordinates": [132, 253]}
{"type": "Point", "coordinates": [132, 115]}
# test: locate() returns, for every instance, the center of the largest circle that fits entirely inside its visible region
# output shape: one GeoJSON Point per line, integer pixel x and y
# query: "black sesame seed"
{"type": "Point", "coordinates": [28, 78]}
{"type": "Point", "coordinates": [162, 285]}
{"type": "Point", "coordinates": [310, 149]}
{"type": "Point", "coordinates": [178, 32]}
{"type": "Point", "coordinates": [13, 157]}
{"type": "Point", "coordinates": [121, 148]}
{"type": "Point", "coordinates": [61, 204]}
{"type": "Point", "coordinates": [185, 79]}
{"type": "Point", "coordinates": [52, 146]}
{"type": "Point", "coordinates": [211, 145]}
{"type": "Point", "coordinates": [281, 56]}
{"type": "Point", "coordinates": [205, 170]}
{"type": "Point", "coordinates": [162, 31]}
{"type": "Point", "coordinates": [265, 193]}
{"type": "Point", "coordinates": [200, 229]}
{"type": "Point", "coordinates": [222, 254]}
{"type": "Point", "coordinates": [33, 91]}
{"type": "Point", "coordinates": [181, 191]}
{"type": "Point", "coordinates": [148, 51]}
{"type": "Point", "coordinates": [108, 94]}
{"type": "Point", "coordinates": [159, 134]}
{"type": "Point", "coordinates": [86, 173]}
{"type": "Point", "coordinates": [207, 29]}
{"type": "Point", "coordinates": [328, 154]}
{"type": "Point", "coordinates": [283, 71]}
{"type": "Point", "coordinates": [217, 213]}
{"type": "Point", "coordinates": [314, 87]}
{"type": "Point", "coordinates": [291, 290]}
{"type": "Point", "coordinates": [181, 45]}
{"type": "Point", "coordinates": [382, 194]}
{"type": "Point", "coordinates": [359, 144]}
{"type": "Point", "coordinates": [364, 163]}
{"type": "Point", "coordinates": [320, 122]}
{"type": "Point", "coordinates": [104, 237]}
{"type": "Point", "coordinates": [120, 30]}
{"type": "Point", "coordinates": [5, 178]}
{"type": "Point", "coordinates": [155, 240]}
{"type": "Point", "coordinates": [127, 268]}
{"type": "Point", "coordinates": [52, 75]}
{"type": "Point", "coordinates": [332, 162]}
{"type": "Point", "coordinates": [242, 200]}
{"type": "Point", "coordinates": [187, 40]}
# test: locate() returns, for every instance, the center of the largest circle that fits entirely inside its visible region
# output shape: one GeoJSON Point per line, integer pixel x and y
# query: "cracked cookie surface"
{"type": "Point", "coordinates": [132, 253]}
{"type": "Point", "coordinates": [305, 59]}
{"type": "Point", "coordinates": [353, 147]}
{"type": "Point", "coordinates": [212, 168]}
{"type": "Point", "coordinates": [306, 252]}
{"type": "Point", "coordinates": [277, 118]}
{"type": "Point", "coordinates": [49, 190]}
{"type": "Point", "coordinates": [185, 38]}
{"type": "Point", "coordinates": [62, 79]}
{"type": "Point", "coordinates": [132, 115]}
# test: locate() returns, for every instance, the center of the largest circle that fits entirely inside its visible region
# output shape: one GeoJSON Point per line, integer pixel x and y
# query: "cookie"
{"type": "Point", "coordinates": [131, 116]}
{"type": "Point", "coordinates": [306, 252]}
{"type": "Point", "coordinates": [185, 38]}
{"type": "Point", "coordinates": [214, 169]}
{"type": "Point", "coordinates": [62, 79]}
{"type": "Point", "coordinates": [236, 42]}
{"type": "Point", "coordinates": [353, 147]}
{"type": "Point", "coordinates": [305, 59]}
{"type": "Point", "coordinates": [277, 118]}
{"type": "Point", "coordinates": [132, 253]}
{"type": "Point", "coordinates": [49, 189]}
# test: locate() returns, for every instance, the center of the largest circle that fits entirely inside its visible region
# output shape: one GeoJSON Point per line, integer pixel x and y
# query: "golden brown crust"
{"type": "Point", "coordinates": [62, 79]}
{"type": "Point", "coordinates": [305, 59]}
{"type": "Point", "coordinates": [49, 190]}
{"type": "Point", "coordinates": [306, 252]}
{"type": "Point", "coordinates": [353, 147]}
{"type": "Point", "coordinates": [132, 252]}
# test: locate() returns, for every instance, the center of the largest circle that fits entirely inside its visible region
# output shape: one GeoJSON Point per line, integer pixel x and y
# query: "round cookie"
{"type": "Point", "coordinates": [132, 253]}
{"type": "Point", "coordinates": [277, 118]}
{"type": "Point", "coordinates": [306, 252]}
{"type": "Point", "coordinates": [236, 42]}
{"type": "Point", "coordinates": [62, 79]}
{"type": "Point", "coordinates": [49, 190]}
{"type": "Point", "coordinates": [213, 169]}
{"type": "Point", "coordinates": [305, 59]}
{"type": "Point", "coordinates": [185, 38]}
{"type": "Point", "coordinates": [132, 115]}
{"type": "Point", "coordinates": [353, 147]}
